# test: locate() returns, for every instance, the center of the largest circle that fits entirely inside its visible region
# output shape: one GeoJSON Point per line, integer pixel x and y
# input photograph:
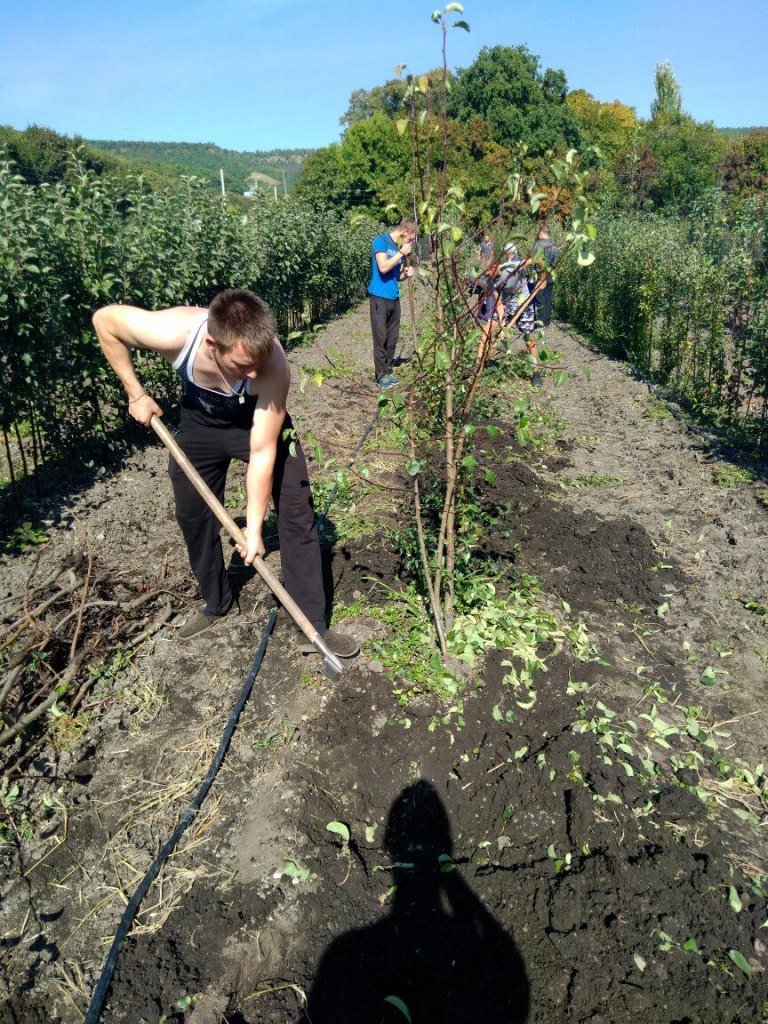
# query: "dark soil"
{"type": "Point", "coordinates": [500, 867]}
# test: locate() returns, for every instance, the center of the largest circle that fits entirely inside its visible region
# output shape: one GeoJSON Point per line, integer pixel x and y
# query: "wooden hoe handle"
{"type": "Point", "coordinates": [238, 536]}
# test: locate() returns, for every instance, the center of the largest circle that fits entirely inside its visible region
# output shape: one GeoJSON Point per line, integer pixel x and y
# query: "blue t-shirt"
{"type": "Point", "coordinates": [384, 285]}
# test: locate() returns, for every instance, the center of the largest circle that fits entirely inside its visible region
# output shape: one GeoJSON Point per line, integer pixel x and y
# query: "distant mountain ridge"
{"type": "Point", "coordinates": [243, 171]}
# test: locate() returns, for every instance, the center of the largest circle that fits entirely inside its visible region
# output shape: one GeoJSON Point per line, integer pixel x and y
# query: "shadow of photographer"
{"type": "Point", "coordinates": [439, 957]}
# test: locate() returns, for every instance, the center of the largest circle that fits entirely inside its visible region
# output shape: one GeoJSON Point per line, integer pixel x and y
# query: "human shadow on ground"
{"type": "Point", "coordinates": [439, 954]}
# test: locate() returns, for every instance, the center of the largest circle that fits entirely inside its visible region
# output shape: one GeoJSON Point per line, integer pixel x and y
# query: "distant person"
{"type": "Point", "coordinates": [236, 378]}
{"type": "Point", "coordinates": [485, 251]}
{"type": "Point", "coordinates": [503, 300]}
{"type": "Point", "coordinates": [388, 268]}
{"type": "Point", "coordinates": [544, 257]}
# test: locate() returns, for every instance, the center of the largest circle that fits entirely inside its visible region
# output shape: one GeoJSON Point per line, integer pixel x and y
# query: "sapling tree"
{"type": "Point", "coordinates": [450, 362]}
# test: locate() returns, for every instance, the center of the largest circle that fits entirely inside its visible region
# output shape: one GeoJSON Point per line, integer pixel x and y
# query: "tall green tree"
{"type": "Point", "coordinates": [669, 100]}
{"type": "Point", "coordinates": [369, 168]}
{"type": "Point", "coordinates": [506, 88]}
{"type": "Point", "coordinates": [608, 126]}
{"type": "Point", "coordinates": [687, 158]}
{"type": "Point", "coordinates": [384, 99]}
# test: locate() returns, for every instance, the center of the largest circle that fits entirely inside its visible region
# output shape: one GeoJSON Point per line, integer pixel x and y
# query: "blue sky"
{"type": "Point", "coordinates": [260, 74]}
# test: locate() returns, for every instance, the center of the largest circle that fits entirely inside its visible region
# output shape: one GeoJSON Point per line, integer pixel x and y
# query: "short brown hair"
{"type": "Point", "coordinates": [408, 224]}
{"type": "Point", "coordinates": [237, 315]}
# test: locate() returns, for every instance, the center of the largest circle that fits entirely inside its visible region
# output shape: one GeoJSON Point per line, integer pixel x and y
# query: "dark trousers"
{"type": "Point", "coordinates": [385, 328]}
{"type": "Point", "coordinates": [211, 444]}
{"type": "Point", "coordinates": [543, 304]}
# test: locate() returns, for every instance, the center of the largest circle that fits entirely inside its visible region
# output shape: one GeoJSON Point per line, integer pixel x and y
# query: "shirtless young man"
{"type": "Point", "coordinates": [236, 379]}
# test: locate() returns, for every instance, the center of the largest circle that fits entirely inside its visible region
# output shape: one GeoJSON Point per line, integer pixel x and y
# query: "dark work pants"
{"type": "Point", "coordinates": [543, 304]}
{"type": "Point", "coordinates": [385, 327]}
{"type": "Point", "coordinates": [211, 444]}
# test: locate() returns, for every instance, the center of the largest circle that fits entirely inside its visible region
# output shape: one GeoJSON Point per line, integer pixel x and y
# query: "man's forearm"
{"type": "Point", "coordinates": [258, 485]}
{"type": "Point", "coordinates": [117, 353]}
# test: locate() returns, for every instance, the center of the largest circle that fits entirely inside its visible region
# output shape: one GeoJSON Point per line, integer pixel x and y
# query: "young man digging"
{"type": "Point", "coordinates": [236, 378]}
{"type": "Point", "coordinates": [388, 267]}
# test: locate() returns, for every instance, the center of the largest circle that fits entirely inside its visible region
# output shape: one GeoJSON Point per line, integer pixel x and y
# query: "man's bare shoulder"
{"type": "Point", "coordinates": [275, 367]}
{"type": "Point", "coordinates": [274, 378]}
{"type": "Point", "coordinates": [162, 330]}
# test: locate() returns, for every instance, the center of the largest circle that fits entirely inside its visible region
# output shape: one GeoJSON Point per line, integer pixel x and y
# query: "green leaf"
{"type": "Point", "coordinates": [469, 462]}
{"type": "Point", "coordinates": [401, 124]}
{"type": "Point", "coordinates": [339, 828]}
{"type": "Point", "coordinates": [442, 359]}
{"type": "Point", "coordinates": [490, 477]}
{"type": "Point", "coordinates": [454, 7]}
{"type": "Point", "coordinates": [734, 899]}
{"type": "Point", "coordinates": [396, 1001]}
{"type": "Point", "coordinates": [536, 199]}
{"type": "Point", "coordinates": [446, 863]}
{"type": "Point", "coordinates": [413, 467]}
{"type": "Point", "coordinates": [691, 946]}
{"type": "Point", "coordinates": [461, 24]}
{"type": "Point", "coordinates": [740, 960]}
{"type": "Point", "coordinates": [295, 869]}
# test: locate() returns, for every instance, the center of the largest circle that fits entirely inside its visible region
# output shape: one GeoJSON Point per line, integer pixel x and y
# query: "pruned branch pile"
{"type": "Point", "coordinates": [57, 636]}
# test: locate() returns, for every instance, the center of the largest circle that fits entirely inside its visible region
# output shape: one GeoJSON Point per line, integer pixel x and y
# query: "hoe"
{"type": "Point", "coordinates": [331, 666]}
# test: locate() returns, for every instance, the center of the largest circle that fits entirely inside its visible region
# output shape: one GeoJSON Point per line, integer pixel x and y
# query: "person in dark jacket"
{"type": "Point", "coordinates": [544, 258]}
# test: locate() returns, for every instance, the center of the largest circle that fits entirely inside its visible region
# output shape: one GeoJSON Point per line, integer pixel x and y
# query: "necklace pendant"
{"type": "Point", "coordinates": [241, 399]}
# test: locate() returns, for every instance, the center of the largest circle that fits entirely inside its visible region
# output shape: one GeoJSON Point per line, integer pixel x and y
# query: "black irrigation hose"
{"type": "Point", "coordinates": [100, 992]}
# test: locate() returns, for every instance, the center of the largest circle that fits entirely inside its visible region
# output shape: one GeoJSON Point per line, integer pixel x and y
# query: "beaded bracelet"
{"type": "Point", "coordinates": [132, 400]}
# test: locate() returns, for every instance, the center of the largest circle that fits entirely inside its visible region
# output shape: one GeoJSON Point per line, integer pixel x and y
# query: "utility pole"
{"type": "Point", "coordinates": [221, 172]}
{"type": "Point", "coordinates": [285, 187]}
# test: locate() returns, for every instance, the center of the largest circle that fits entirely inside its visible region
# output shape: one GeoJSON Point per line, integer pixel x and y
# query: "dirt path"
{"type": "Point", "coordinates": [552, 864]}
{"type": "Point", "coordinates": [634, 458]}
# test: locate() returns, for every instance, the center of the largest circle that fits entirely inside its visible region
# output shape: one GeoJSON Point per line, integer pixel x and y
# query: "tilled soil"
{"type": "Point", "coordinates": [512, 867]}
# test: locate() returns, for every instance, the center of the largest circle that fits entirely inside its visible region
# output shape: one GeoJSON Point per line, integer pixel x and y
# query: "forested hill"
{"type": "Point", "coordinates": [205, 160]}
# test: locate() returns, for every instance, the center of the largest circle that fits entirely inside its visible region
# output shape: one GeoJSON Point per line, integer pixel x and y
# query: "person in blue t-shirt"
{"type": "Point", "coordinates": [388, 267]}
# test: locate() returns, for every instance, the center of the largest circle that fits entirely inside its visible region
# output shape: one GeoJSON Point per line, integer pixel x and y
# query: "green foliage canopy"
{"type": "Point", "coordinates": [745, 168]}
{"type": "Point", "coordinates": [370, 167]}
{"type": "Point", "coordinates": [520, 103]}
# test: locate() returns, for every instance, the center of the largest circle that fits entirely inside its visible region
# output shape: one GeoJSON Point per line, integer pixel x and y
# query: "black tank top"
{"type": "Point", "coordinates": [236, 408]}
